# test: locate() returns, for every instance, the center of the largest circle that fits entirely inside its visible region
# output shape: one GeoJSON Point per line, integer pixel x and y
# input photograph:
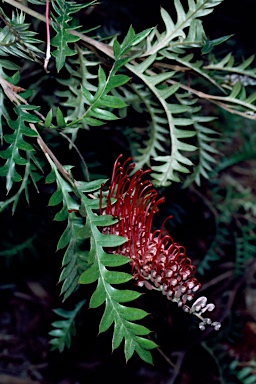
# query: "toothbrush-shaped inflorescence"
{"type": "Point", "coordinates": [157, 261]}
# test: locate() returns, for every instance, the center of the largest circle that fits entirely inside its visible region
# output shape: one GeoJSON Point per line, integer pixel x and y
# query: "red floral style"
{"type": "Point", "coordinates": [157, 261]}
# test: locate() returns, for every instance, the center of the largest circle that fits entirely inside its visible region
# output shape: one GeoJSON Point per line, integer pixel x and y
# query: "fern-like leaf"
{"type": "Point", "coordinates": [205, 138]}
{"type": "Point", "coordinates": [245, 248]}
{"type": "Point", "coordinates": [11, 250]}
{"type": "Point", "coordinates": [65, 328]}
{"type": "Point", "coordinates": [227, 64]}
{"type": "Point", "coordinates": [63, 38]}
{"type": "Point", "coordinates": [72, 236]}
{"type": "Point", "coordinates": [30, 175]}
{"type": "Point", "coordinates": [187, 62]}
{"type": "Point", "coordinates": [17, 143]}
{"type": "Point", "coordinates": [244, 374]}
{"type": "Point", "coordinates": [174, 35]}
{"type": "Point", "coordinates": [76, 104]}
{"type": "Point", "coordinates": [156, 130]}
{"type": "Point", "coordinates": [100, 102]}
{"type": "Point", "coordinates": [176, 161]}
{"type": "Point", "coordinates": [116, 313]}
{"type": "Point", "coordinates": [6, 64]}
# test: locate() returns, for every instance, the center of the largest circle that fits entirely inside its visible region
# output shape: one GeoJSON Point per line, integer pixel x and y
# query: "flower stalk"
{"type": "Point", "coordinates": [157, 261]}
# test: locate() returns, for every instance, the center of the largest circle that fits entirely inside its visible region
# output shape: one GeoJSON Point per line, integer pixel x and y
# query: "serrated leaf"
{"type": "Point", "coordinates": [63, 38]}
{"type": "Point", "coordinates": [107, 318]}
{"type": "Point", "coordinates": [63, 329]}
{"type": "Point", "coordinates": [17, 142]}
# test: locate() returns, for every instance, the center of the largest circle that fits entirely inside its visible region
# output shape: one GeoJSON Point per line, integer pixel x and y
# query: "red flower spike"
{"type": "Point", "coordinates": [157, 261]}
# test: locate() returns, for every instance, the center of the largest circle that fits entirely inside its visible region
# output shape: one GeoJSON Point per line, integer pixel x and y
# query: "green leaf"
{"type": "Point", "coordinates": [116, 49]}
{"type": "Point", "coordinates": [64, 329]}
{"type": "Point", "coordinates": [110, 240]}
{"type": "Point", "coordinates": [99, 296]}
{"type": "Point", "coordinates": [48, 119]}
{"type": "Point", "coordinates": [56, 198]}
{"type": "Point", "coordinates": [60, 118]}
{"type": "Point", "coordinates": [50, 178]}
{"type": "Point", "coordinates": [90, 186]}
{"type": "Point", "coordinates": [63, 38]}
{"type": "Point", "coordinates": [112, 277]}
{"type": "Point", "coordinates": [107, 318]}
{"type": "Point", "coordinates": [64, 239]}
{"type": "Point", "coordinates": [114, 260]}
{"type": "Point", "coordinates": [116, 81]}
{"type": "Point", "coordinates": [90, 275]}
{"type": "Point", "coordinates": [14, 32]}
{"type": "Point", "coordinates": [17, 143]}
{"type": "Point", "coordinates": [104, 220]}
{"type": "Point", "coordinates": [124, 295]}
{"type": "Point", "coordinates": [115, 312]}
{"type": "Point", "coordinates": [210, 44]}
{"type": "Point", "coordinates": [176, 31]}
{"type": "Point", "coordinates": [137, 328]}
{"type": "Point", "coordinates": [146, 343]}
{"type": "Point", "coordinates": [131, 314]}
{"type": "Point", "coordinates": [144, 355]}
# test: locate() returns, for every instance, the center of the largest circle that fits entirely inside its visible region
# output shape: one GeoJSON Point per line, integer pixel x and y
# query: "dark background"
{"type": "Point", "coordinates": [29, 290]}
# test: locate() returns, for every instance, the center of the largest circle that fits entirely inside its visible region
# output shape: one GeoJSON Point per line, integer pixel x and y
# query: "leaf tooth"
{"type": "Point", "coordinates": [107, 318]}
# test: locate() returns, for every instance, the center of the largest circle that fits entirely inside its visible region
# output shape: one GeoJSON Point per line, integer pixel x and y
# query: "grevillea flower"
{"type": "Point", "coordinates": [157, 261]}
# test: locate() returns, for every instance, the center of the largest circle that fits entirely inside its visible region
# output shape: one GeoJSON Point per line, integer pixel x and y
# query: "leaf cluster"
{"type": "Point", "coordinates": [170, 77]}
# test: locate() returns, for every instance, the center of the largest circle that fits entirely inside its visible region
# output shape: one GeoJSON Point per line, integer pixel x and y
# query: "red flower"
{"type": "Point", "coordinates": [157, 261]}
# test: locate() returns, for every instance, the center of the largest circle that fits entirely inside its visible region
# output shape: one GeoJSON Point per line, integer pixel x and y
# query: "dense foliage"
{"type": "Point", "coordinates": [178, 103]}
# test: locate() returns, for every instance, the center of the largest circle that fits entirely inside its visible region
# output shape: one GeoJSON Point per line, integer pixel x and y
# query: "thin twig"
{"type": "Point", "coordinates": [217, 279]}
{"type": "Point", "coordinates": [78, 152]}
{"type": "Point", "coordinates": [48, 153]}
{"type": "Point", "coordinates": [166, 358]}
